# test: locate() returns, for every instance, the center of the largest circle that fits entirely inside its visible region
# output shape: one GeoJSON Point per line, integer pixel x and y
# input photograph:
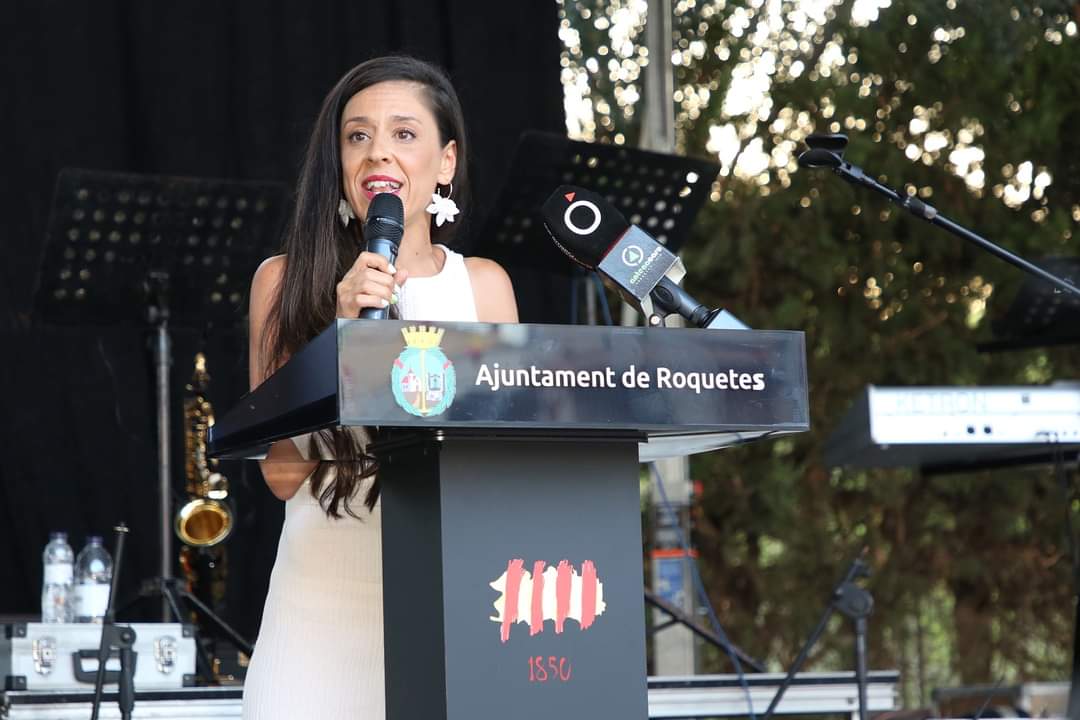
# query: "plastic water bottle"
{"type": "Point", "coordinates": [93, 576]}
{"type": "Point", "coordinates": [57, 605]}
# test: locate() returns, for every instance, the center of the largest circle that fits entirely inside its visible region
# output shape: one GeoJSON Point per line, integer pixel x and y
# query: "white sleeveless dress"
{"type": "Point", "coordinates": [320, 648]}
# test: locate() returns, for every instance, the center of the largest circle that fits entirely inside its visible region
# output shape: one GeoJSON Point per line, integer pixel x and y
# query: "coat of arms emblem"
{"type": "Point", "coordinates": [423, 378]}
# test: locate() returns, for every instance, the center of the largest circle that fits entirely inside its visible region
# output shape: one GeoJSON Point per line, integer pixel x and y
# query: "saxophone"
{"type": "Point", "coordinates": [205, 520]}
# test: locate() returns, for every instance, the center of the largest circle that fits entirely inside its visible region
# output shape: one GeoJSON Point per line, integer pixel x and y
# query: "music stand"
{"type": "Point", "coordinates": [127, 249]}
{"type": "Point", "coordinates": [1040, 315]}
{"type": "Point", "coordinates": [660, 193]}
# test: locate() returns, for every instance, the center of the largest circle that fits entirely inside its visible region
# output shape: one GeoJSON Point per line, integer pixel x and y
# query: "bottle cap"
{"type": "Point", "coordinates": [58, 535]}
{"type": "Point", "coordinates": [93, 539]}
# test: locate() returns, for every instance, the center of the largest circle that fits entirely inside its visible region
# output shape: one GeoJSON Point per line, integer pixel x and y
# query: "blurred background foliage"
{"type": "Point", "coordinates": [972, 104]}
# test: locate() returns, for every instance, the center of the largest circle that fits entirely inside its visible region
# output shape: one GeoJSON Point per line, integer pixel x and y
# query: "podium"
{"type": "Point", "coordinates": [509, 471]}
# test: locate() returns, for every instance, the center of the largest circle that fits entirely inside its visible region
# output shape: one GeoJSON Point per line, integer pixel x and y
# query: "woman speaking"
{"type": "Point", "coordinates": [390, 125]}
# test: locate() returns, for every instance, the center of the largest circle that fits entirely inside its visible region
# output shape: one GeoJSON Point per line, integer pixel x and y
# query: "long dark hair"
{"type": "Point", "coordinates": [319, 250]}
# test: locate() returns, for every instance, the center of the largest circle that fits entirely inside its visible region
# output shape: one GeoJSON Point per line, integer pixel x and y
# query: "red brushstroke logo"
{"type": "Point", "coordinates": [547, 593]}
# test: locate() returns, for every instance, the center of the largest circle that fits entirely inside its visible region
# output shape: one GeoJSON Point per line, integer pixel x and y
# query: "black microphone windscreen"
{"type": "Point", "coordinates": [833, 142]}
{"type": "Point", "coordinates": [583, 224]}
{"type": "Point", "coordinates": [819, 157]}
{"type": "Point", "coordinates": [385, 217]}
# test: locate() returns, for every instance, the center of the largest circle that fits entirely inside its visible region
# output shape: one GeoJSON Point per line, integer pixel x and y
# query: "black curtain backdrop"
{"type": "Point", "coordinates": [204, 89]}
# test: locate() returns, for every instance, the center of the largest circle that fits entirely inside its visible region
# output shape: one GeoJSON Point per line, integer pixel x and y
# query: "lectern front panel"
{"type": "Point", "coordinates": [562, 378]}
{"type": "Point", "coordinates": [540, 592]}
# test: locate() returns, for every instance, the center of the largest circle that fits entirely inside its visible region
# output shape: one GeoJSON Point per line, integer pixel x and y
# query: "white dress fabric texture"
{"type": "Point", "coordinates": [320, 648]}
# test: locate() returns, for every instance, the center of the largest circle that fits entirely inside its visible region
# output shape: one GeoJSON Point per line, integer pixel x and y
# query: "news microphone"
{"type": "Point", "coordinates": [383, 228]}
{"type": "Point", "coordinates": [591, 232]}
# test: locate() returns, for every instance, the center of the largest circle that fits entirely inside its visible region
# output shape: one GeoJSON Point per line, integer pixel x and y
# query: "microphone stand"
{"type": "Point", "coordinates": [827, 151]}
{"type": "Point", "coordinates": [854, 602]}
{"type": "Point", "coordinates": [120, 638]}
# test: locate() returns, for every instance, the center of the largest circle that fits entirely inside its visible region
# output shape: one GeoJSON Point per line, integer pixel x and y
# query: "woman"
{"type": "Point", "coordinates": [395, 125]}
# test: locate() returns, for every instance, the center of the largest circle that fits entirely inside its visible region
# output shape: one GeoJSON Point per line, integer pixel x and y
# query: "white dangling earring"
{"type": "Point", "coordinates": [443, 208]}
{"type": "Point", "coordinates": [345, 212]}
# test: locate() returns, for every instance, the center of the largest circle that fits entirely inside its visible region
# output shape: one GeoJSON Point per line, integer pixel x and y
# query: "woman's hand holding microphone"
{"type": "Point", "coordinates": [372, 282]}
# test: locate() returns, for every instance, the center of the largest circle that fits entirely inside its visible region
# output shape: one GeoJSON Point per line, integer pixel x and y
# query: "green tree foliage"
{"type": "Point", "coordinates": [971, 104]}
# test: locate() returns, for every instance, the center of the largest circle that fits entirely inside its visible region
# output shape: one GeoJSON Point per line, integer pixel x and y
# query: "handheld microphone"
{"type": "Point", "coordinates": [592, 233]}
{"type": "Point", "coordinates": [383, 228]}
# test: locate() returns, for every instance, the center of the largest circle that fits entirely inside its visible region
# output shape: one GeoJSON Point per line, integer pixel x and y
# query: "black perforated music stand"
{"type": "Point", "coordinates": [110, 233]}
{"type": "Point", "coordinates": [126, 249]}
{"type": "Point", "coordinates": [661, 193]}
{"type": "Point", "coordinates": [1040, 315]}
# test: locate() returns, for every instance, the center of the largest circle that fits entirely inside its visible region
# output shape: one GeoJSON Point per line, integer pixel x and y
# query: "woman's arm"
{"type": "Point", "coordinates": [284, 468]}
{"type": "Point", "coordinates": [368, 283]}
{"type": "Point", "coordinates": [492, 291]}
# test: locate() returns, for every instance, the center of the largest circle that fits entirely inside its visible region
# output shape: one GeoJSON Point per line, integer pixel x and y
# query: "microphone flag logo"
{"type": "Point", "coordinates": [423, 379]}
{"type": "Point", "coordinates": [632, 255]}
{"type": "Point", "coordinates": [547, 593]}
{"type": "Point", "coordinates": [569, 220]}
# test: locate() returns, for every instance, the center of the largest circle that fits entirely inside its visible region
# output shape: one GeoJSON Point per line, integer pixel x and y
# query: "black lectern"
{"type": "Point", "coordinates": [509, 455]}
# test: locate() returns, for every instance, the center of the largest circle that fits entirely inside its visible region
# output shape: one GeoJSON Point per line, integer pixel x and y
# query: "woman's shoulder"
{"type": "Point", "coordinates": [487, 275]}
{"type": "Point", "coordinates": [485, 269]}
{"type": "Point", "coordinates": [265, 285]}
{"type": "Point", "coordinates": [492, 290]}
{"type": "Point", "coordinates": [269, 273]}
{"type": "Point", "coordinates": [271, 267]}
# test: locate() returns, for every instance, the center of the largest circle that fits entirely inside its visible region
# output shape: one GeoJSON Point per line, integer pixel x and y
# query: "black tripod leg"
{"type": "Point", "coordinates": [857, 568]}
{"type": "Point", "coordinates": [797, 665]}
{"type": "Point", "coordinates": [170, 601]}
{"type": "Point", "coordinates": [169, 591]}
{"type": "Point", "coordinates": [860, 664]}
{"type": "Point", "coordinates": [204, 662]}
{"type": "Point", "coordinates": [218, 622]}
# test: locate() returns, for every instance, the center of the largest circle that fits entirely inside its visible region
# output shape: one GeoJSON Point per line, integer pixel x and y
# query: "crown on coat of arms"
{"type": "Point", "coordinates": [422, 337]}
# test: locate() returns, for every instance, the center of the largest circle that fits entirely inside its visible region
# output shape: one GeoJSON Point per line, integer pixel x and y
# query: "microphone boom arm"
{"type": "Point", "coordinates": [832, 158]}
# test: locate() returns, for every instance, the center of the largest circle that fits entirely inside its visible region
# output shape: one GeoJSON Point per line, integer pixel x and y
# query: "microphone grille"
{"type": "Point", "coordinates": [386, 216]}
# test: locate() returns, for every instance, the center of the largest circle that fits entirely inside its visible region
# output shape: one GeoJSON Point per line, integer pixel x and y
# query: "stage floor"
{"type": "Point", "coordinates": [669, 697]}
